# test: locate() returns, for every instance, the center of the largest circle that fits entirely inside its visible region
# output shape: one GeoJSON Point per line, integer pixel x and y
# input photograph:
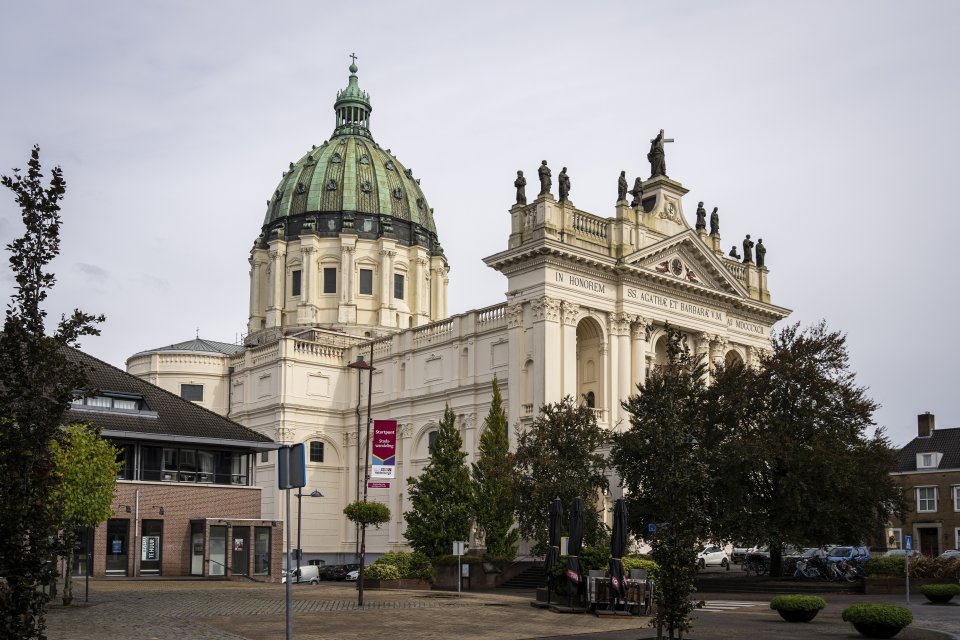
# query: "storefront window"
{"type": "Point", "coordinates": [218, 551]}
{"type": "Point", "coordinates": [261, 552]}
{"type": "Point", "coordinates": [151, 547]}
{"type": "Point", "coordinates": [117, 542]}
{"type": "Point", "coordinates": [241, 551]}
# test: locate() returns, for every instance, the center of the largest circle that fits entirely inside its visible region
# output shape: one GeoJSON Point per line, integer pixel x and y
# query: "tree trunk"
{"type": "Point", "coordinates": [68, 578]}
{"type": "Point", "coordinates": [776, 559]}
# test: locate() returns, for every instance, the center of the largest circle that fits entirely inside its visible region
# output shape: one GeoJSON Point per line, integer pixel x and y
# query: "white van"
{"type": "Point", "coordinates": [308, 573]}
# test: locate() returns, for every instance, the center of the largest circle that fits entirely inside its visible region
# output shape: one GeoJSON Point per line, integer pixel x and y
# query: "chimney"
{"type": "Point", "coordinates": [925, 425]}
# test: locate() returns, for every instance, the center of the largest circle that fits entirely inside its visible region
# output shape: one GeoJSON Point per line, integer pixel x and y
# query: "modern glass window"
{"type": "Point", "coordinates": [169, 464]}
{"type": "Point", "coordinates": [125, 456]}
{"type": "Point", "coordinates": [192, 392]}
{"type": "Point", "coordinates": [151, 547]}
{"type": "Point", "coordinates": [366, 282]}
{"type": "Point", "coordinates": [398, 286]}
{"type": "Point", "coordinates": [117, 541]}
{"type": "Point", "coordinates": [240, 556]}
{"type": "Point", "coordinates": [261, 551]}
{"type": "Point", "coordinates": [217, 564]}
{"type": "Point", "coordinates": [926, 499]}
{"type": "Point", "coordinates": [329, 279]}
{"type": "Point", "coordinates": [295, 280]}
{"type": "Point", "coordinates": [431, 442]}
{"type": "Point", "coordinates": [316, 451]}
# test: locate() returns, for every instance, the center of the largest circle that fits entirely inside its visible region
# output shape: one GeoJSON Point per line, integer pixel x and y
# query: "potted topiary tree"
{"type": "Point", "coordinates": [878, 620]}
{"type": "Point", "coordinates": [940, 593]}
{"type": "Point", "coordinates": [797, 608]}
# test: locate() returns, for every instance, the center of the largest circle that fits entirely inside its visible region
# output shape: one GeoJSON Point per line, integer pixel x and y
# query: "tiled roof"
{"type": "Point", "coordinates": [168, 417]}
{"type": "Point", "coordinates": [945, 441]}
{"type": "Point", "coordinates": [198, 345]}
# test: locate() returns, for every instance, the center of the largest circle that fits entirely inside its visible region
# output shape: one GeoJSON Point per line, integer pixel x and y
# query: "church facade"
{"type": "Point", "coordinates": [348, 264]}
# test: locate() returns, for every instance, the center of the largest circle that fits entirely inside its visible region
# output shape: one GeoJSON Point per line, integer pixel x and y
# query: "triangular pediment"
{"type": "Point", "coordinates": [685, 258]}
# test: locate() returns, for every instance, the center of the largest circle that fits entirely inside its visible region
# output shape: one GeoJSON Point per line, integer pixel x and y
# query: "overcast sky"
{"type": "Point", "coordinates": [829, 129]}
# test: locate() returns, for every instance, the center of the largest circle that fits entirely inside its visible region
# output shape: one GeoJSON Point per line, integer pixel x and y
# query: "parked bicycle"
{"type": "Point", "coordinates": [757, 565]}
{"type": "Point", "coordinates": [806, 571]}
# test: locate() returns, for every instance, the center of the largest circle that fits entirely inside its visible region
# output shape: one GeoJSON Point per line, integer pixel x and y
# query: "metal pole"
{"type": "Point", "coordinates": [299, 547]}
{"type": "Point", "coordinates": [136, 530]}
{"type": "Point", "coordinates": [289, 593]}
{"type": "Point", "coordinates": [906, 566]}
{"type": "Point", "coordinates": [366, 478]}
{"type": "Point", "coordinates": [356, 548]}
{"type": "Point", "coordinates": [86, 594]}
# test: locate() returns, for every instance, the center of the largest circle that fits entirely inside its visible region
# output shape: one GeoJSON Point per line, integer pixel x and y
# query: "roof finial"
{"type": "Point", "coordinates": [353, 64]}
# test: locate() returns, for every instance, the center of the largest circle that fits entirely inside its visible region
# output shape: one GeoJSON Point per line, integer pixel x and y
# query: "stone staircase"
{"type": "Point", "coordinates": [531, 577]}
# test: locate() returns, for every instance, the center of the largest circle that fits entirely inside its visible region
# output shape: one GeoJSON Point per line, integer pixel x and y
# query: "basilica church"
{"type": "Point", "coordinates": [348, 265]}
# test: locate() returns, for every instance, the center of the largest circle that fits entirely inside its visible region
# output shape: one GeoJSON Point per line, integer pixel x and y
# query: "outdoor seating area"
{"type": "Point", "coordinates": [604, 600]}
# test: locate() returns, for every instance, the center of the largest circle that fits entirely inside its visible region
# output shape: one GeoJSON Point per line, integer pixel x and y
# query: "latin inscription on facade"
{"type": "Point", "coordinates": [749, 327]}
{"type": "Point", "coordinates": [647, 298]}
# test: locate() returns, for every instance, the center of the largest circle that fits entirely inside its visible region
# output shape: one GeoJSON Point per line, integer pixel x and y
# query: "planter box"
{"type": "Point", "coordinates": [879, 586]}
{"type": "Point", "coordinates": [405, 583]}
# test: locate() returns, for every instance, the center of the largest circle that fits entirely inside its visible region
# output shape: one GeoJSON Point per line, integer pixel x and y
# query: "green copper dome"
{"type": "Point", "coordinates": [350, 184]}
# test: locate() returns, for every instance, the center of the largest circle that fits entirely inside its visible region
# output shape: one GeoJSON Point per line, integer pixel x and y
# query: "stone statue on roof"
{"type": "Point", "coordinates": [564, 180]}
{"type": "Point", "coordinates": [701, 216]}
{"type": "Point", "coordinates": [714, 222]}
{"type": "Point", "coordinates": [521, 184]}
{"type": "Point", "coordinates": [637, 192]}
{"type": "Point", "coordinates": [545, 181]}
{"type": "Point", "coordinates": [622, 187]}
{"type": "Point", "coordinates": [747, 250]}
{"type": "Point", "coordinates": [761, 253]}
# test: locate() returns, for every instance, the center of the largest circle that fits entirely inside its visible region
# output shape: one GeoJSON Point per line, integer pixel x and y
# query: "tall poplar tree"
{"type": "Point", "coordinates": [442, 497]}
{"type": "Point", "coordinates": [493, 483]}
{"type": "Point", "coordinates": [37, 383]}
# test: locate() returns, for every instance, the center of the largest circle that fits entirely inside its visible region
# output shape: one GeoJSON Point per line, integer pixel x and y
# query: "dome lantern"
{"type": "Point", "coordinates": [352, 107]}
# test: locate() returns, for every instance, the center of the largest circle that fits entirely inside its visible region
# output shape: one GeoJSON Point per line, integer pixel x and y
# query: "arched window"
{"type": "Point", "coordinates": [591, 400]}
{"type": "Point", "coordinates": [431, 441]}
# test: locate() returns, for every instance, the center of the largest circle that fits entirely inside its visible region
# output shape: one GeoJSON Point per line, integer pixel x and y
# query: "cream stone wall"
{"type": "Point", "coordinates": [588, 300]}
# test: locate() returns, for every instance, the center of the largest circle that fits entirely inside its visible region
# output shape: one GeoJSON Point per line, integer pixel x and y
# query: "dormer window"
{"type": "Point", "coordinates": [109, 402]}
{"type": "Point", "coordinates": [928, 460]}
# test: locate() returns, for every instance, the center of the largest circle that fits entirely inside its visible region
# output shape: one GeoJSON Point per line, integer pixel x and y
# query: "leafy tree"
{"type": "Point", "coordinates": [493, 483]}
{"type": "Point", "coordinates": [442, 497]}
{"type": "Point", "coordinates": [37, 383]}
{"type": "Point", "coordinates": [86, 466]}
{"type": "Point", "coordinates": [664, 462]}
{"type": "Point", "coordinates": [365, 514]}
{"type": "Point", "coordinates": [559, 457]}
{"type": "Point", "coordinates": [805, 442]}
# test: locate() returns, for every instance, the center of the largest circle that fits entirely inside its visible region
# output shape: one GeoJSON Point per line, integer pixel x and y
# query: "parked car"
{"type": "Point", "coordinates": [712, 556]}
{"type": "Point", "coordinates": [740, 551]}
{"type": "Point", "coordinates": [352, 576]}
{"type": "Point", "coordinates": [952, 553]}
{"type": "Point", "coordinates": [859, 554]}
{"type": "Point", "coordinates": [308, 573]}
{"type": "Point", "coordinates": [901, 552]}
{"type": "Point", "coordinates": [337, 571]}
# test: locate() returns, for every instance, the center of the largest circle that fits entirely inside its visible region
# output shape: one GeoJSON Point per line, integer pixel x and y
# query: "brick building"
{"type": "Point", "coordinates": [928, 469]}
{"type": "Point", "coordinates": [186, 502]}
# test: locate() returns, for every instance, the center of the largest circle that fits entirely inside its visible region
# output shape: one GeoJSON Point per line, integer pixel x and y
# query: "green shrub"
{"type": "Point", "coordinates": [878, 620]}
{"type": "Point", "coordinates": [642, 562]}
{"type": "Point", "coordinates": [940, 590]}
{"type": "Point", "coordinates": [885, 566]}
{"type": "Point", "coordinates": [797, 603]}
{"type": "Point", "coordinates": [946, 569]}
{"type": "Point", "coordinates": [378, 571]}
{"type": "Point", "coordinates": [595, 557]}
{"type": "Point", "coordinates": [498, 561]}
{"type": "Point", "coordinates": [451, 561]}
{"type": "Point", "coordinates": [410, 565]}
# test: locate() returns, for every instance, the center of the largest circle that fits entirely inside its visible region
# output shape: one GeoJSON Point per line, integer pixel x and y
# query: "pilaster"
{"type": "Point", "coordinates": [570, 315]}
{"type": "Point", "coordinates": [515, 363]}
{"type": "Point", "coordinates": [277, 272]}
{"type": "Point", "coordinates": [638, 360]}
{"type": "Point", "coordinates": [546, 332]}
{"type": "Point", "coordinates": [347, 312]}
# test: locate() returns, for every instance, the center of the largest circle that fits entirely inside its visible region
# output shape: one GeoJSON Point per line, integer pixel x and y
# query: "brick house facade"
{"type": "Point", "coordinates": [928, 469]}
{"type": "Point", "coordinates": [186, 502]}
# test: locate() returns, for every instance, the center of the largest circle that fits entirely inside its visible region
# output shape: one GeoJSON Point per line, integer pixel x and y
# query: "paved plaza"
{"type": "Point", "coordinates": [181, 609]}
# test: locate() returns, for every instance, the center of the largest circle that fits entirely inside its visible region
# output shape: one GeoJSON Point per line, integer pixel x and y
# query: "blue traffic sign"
{"type": "Point", "coordinates": [908, 543]}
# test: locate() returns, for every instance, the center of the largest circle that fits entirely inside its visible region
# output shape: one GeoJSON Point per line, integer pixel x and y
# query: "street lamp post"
{"type": "Point", "coordinates": [313, 494]}
{"type": "Point", "coordinates": [360, 365]}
